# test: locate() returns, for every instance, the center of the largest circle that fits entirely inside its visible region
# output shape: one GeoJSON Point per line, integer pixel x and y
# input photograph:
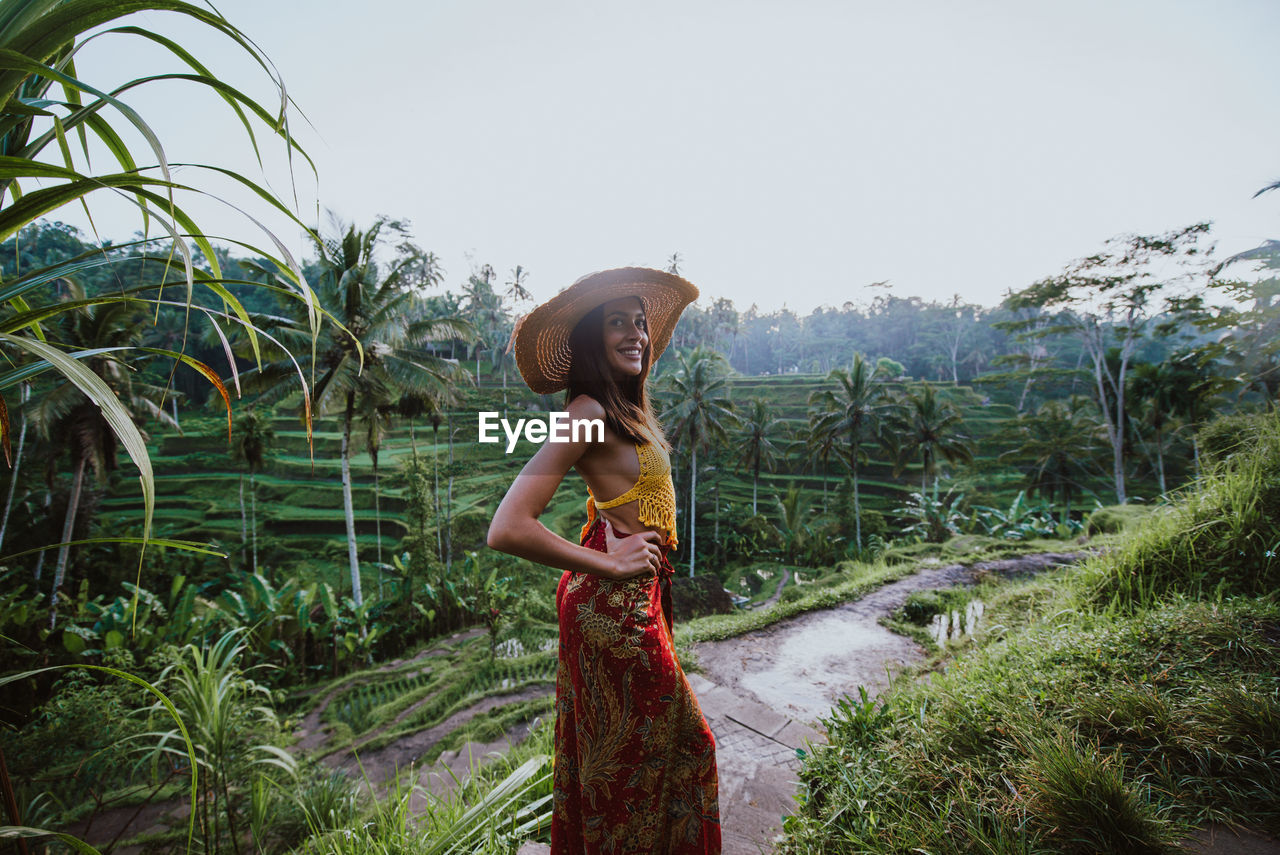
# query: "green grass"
{"type": "Point", "coordinates": [1108, 707]}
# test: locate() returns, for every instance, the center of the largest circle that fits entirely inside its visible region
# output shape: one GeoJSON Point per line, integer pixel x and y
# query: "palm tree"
{"type": "Point", "coordinates": [927, 427]}
{"type": "Point", "coordinates": [757, 448]}
{"type": "Point", "coordinates": [251, 440]}
{"type": "Point", "coordinates": [701, 413]}
{"type": "Point", "coordinates": [1178, 388]}
{"type": "Point", "coordinates": [1059, 445]}
{"type": "Point", "coordinates": [851, 414]}
{"type": "Point", "coordinates": [371, 353]}
{"type": "Point", "coordinates": [67, 418]}
{"type": "Point", "coordinates": [486, 313]}
{"type": "Point", "coordinates": [413, 405]}
{"type": "Point", "coordinates": [816, 446]}
{"type": "Point", "coordinates": [517, 293]}
{"type": "Point", "coordinates": [794, 509]}
{"type": "Point", "coordinates": [48, 99]}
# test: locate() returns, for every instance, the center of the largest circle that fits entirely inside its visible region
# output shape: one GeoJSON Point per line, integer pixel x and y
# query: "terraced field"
{"type": "Point", "coordinates": [299, 497]}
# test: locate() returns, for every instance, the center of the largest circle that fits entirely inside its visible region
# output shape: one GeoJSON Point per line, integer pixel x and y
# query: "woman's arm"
{"type": "Point", "coordinates": [515, 528]}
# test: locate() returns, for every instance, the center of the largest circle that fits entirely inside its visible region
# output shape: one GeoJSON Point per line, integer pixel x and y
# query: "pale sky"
{"type": "Point", "coordinates": [790, 152]}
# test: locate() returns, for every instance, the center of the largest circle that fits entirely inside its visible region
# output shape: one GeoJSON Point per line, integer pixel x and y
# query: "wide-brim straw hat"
{"type": "Point", "coordinates": [541, 338]}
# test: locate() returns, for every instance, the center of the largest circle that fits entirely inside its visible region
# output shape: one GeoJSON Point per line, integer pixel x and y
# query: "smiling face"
{"type": "Point", "coordinates": [626, 336]}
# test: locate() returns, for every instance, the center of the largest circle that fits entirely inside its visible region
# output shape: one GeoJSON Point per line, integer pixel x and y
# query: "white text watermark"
{"type": "Point", "coordinates": [558, 428]}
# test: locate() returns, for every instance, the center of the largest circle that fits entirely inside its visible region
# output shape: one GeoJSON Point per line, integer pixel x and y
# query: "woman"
{"type": "Point", "coordinates": [635, 764]}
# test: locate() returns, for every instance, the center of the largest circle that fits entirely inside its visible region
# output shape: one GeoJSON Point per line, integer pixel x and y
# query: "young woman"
{"type": "Point", "coordinates": [635, 768]}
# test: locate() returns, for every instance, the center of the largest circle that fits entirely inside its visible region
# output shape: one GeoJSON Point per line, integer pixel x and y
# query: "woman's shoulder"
{"type": "Point", "coordinates": [585, 407]}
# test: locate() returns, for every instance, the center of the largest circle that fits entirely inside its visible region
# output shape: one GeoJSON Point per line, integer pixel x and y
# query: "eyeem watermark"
{"type": "Point", "coordinates": [558, 428]}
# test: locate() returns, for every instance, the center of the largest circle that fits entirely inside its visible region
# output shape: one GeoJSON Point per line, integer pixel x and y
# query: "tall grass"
{"type": "Point", "coordinates": [1220, 538]}
{"type": "Point", "coordinates": [482, 816]}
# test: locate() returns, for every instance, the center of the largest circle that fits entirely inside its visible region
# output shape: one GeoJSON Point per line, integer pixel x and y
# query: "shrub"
{"type": "Point", "coordinates": [1227, 436]}
{"type": "Point", "coordinates": [321, 801]}
{"type": "Point", "coordinates": [792, 593]}
{"type": "Point", "coordinates": [1114, 519]}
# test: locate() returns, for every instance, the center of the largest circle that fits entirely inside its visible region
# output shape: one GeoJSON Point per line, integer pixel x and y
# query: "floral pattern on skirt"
{"type": "Point", "coordinates": [635, 763]}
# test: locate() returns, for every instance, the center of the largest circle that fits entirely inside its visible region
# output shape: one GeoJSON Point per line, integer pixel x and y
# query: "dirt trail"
{"type": "Point", "coordinates": [777, 592]}
{"type": "Point", "coordinates": [764, 692]}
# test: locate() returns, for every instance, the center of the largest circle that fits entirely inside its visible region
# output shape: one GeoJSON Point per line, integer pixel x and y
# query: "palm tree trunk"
{"type": "Point", "coordinates": [377, 515]}
{"type": "Point", "coordinates": [1160, 460]}
{"type": "Point", "coordinates": [253, 510]}
{"type": "Point", "coordinates": [857, 507]}
{"type": "Point", "coordinates": [244, 526]}
{"type": "Point", "coordinates": [347, 508]}
{"type": "Point", "coordinates": [716, 532]}
{"type": "Point", "coordinates": [48, 501]}
{"type": "Point", "coordinates": [755, 484]}
{"type": "Point", "coordinates": [820, 469]}
{"type": "Point", "coordinates": [693, 518]}
{"type": "Point", "coordinates": [17, 463]}
{"type": "Point", "coordinates": [448, 503]}
{"type": "Point", "coordinates": [68, 527]}
{"type": "Point", "coordinates": [435, 490]}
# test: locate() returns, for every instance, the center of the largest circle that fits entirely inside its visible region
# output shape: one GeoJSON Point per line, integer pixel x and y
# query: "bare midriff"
{"type": "Point", "coordinates": [625, 520]}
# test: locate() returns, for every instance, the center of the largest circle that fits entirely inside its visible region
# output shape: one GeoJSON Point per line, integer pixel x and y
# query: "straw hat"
{"type": "Point", "coordinates": [541, 338]}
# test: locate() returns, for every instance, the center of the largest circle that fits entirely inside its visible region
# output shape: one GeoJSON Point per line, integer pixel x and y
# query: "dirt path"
{"type": "Point", "coordinates": [764, 692]}
{"type": "Point", "coordinates": [777, 592]}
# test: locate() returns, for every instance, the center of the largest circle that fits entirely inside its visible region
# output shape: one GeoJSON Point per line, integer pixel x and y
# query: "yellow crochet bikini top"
{"type": "Point", "coordinates": [653, 491]}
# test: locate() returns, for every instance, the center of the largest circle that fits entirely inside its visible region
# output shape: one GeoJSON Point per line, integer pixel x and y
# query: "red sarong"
{"type": "Point", "coordinates": [635, 763]}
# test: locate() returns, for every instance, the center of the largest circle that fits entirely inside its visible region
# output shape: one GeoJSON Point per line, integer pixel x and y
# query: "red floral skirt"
{"type": "Point", "coordinates": [635, 763]}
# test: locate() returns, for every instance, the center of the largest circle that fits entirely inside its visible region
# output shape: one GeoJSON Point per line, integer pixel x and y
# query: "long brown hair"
{"type": "Point", "coordinates": [627, 408]}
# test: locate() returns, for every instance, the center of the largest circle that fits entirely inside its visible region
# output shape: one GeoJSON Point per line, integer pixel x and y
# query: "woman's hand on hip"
{"type": "Point", "coordinates": [635, 554]}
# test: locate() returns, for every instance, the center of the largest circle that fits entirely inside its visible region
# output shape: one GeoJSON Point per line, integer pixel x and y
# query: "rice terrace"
{"type": "Point", "coordinates": [958, 568]}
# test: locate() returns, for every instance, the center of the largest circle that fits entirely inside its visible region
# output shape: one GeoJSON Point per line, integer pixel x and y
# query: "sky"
{"type": "Point", "coordinates": [791, 153]}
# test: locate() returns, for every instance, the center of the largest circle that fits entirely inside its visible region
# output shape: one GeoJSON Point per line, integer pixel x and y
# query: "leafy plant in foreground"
{"type": "Point", "coordinates": [233, 726]}
{"type": "Point", "coordinates": [46, 107]}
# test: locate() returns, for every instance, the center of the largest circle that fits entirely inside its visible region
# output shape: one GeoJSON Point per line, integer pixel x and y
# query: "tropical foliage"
{"type": "Point", "coordinates": [943, 430]}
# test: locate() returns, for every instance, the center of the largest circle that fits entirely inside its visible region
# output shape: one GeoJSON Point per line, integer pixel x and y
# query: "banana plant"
{"type": "Point", "coordinates": [934, 519]}
{"type": "Point", "coordinates": [1021, 521]}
